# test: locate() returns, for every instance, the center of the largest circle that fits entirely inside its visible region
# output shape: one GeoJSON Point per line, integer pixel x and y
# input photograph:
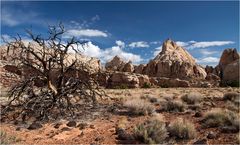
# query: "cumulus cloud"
{"type": "Point", "coordinates": [107, 54]}
{"type": "Point", "coordinates": [120, 43]}
{"type": "Point", "coordinates": [84, 32]}
{"type": "Point", "coordinates": [208, 61]}
{"type": "Point", "coordinates": [155, 42]}
{"type": "Point", "coordinates": [139, 44]}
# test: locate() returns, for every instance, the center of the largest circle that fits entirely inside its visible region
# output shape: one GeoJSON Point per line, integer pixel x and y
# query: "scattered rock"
{"type": "Point", "coordinates": [229, 129]}
{"type": "Point", "coordinates": [82, 125]}
{"type": "Point", "coordinates": [198, 114]}
{"type": "Point", "coordinates": [66, 129]}
{"type": "Point", "coordinates": [18, 128]}
{"type": "Point", "coordinates": [201, 142]}
{"type": "Point", "coordinates": [57, 125]}
{"type": "Point", "coordinates": [211, 135]}
{"type": "Point", "coordinates": [92, 126]}
{"type": "Point", "coordinates": [71, 124]}
{"type": "Point", "coordinates": [35, 125]}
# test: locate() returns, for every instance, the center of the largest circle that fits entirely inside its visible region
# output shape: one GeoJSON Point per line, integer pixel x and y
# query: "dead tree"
{"type": "Point", "coordinates": [55, 80]}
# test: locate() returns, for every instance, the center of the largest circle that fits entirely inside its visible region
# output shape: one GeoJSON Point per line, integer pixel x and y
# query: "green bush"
{"type": "Point", "coordinates": [171, 106]}
{"type": "Point", "coordinates": [146, 85]}
{"type": "Point", "coordinates": [182, 129]}
{"type": "Point", "coordinates": [151, 132]}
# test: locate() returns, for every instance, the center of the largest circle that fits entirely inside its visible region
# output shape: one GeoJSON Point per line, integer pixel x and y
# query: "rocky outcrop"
{"type": "Point", "coordinates": [128, 67]}
{"type": "Point", "coordinates": [116, 64]}
{"type": "Point", "coordinates": [168, 82]}
{"type": "Point", "coordinates": [229, 66]}
{"type": "Point", "coordinates": [139, 69]}
{"type": "Point", "coordinates": [174, 62]}
{"type": "Point", "coordinates": [123, 80]}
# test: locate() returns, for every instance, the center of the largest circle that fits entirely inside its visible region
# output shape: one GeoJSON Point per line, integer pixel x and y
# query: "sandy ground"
{"type": "Point", "coordinates": [102, 129]}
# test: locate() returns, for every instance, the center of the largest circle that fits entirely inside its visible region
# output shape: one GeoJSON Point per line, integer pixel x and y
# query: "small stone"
{"type": "Point", "coordinates": [82, 125]}
{"type": "Point", "coordinates": [198, 114]}
{"type": "Point", "coordinates": [201, 142]}
{"type": "Point", "coordinates": [211, 135]}
{"type": "Point", "coordinates": [34, 125]}
{"type": "Point", "coordinates": [18, 129]}
{"type": "Point", "coordinates": [65, 129]}
{"type": "Point", "coordinates": [229, 129]}
{"type": "Point", "coordinates": [57, 125]}
{"type": "Point", "coordinates": [71, 124]}
{"type": "Point", "coordinates": [98, 138]}
{"type": "Point", "coordinates": [92, 126]}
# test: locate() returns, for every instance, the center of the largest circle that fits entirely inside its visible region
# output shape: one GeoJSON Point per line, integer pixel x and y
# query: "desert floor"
{"type": "Point", "coordinates": [101, 128]}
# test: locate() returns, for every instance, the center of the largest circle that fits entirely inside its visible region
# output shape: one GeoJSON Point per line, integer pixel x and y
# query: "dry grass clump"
{"type": "Point", "coordinates": [232, 96]}
{"type": "Point", "coordinates": [192, 98]}
{"type": "Point", "coordinates": [139, 107]}
{"type": "Point", "coordinates": [7, 139]}
{"type": "Point", "coordinates": [171, 106]}
{"type": "Point", "coordinates": [220, 118]}
{"type": "Point", "coordinates": [182, 129]}
{"type": "Point", "coordinates": [152, 131]}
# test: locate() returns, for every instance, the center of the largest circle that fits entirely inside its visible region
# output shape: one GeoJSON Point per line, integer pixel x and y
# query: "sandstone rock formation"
{"type": "Point", "coordinates": [116, 64]}
{"type": "Point", "coordinates": [169, 82]}
{"type": "Point", "coordinates": [123, 80]}
{"type": "Point", "coordinates": [128, 67]}
{"type": "Point", "coordinates": [174, 62]}
{"type": "Point", "coordinates": [229, 65]}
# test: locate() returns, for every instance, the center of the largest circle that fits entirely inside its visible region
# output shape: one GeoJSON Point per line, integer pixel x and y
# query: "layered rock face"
{"type": "Point", "coordinates": [174, 62]}
{"type": "Point", "coordinates": [229, 65]}
{"type": "Point", "coordinates": [117, 64]}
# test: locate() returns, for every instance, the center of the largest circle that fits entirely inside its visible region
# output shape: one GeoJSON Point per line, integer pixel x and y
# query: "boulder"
{"type": "Point", "coordinates": [128, 67]}
{"type": "Point", "coordinates": [228, 56]}
{"type": "Point", "coordinates": [143, 80]}
{"type": "Point", "coordinates": [231, 72]}
{"type": "Point", "coordinates": [123, 80]}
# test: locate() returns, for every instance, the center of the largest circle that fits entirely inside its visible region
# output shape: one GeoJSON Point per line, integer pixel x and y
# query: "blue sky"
{"type": "Point", "coordinates": [133, 30]}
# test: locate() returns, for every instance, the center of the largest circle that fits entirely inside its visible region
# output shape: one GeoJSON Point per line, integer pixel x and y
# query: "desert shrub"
{"type": "Point", "coordinates": [139, 107]}
{"type": "Point", "coordinates": [192, 98]}
{"type": "Point", "coordinates": [232, 106]}
{"type": "Point", "coordinates": [238, 138]}
{"type": "Point", "coordinates": [122, 86]}
{"type": "Point", "coordinates": [182, 129]}
{"type": "Point", "coordinates": [232, 96]}
{"type": "Point", "coordinates": [146, 85]}
{"type": "Point", "coordinates": [151, 132]}
{"type": "Point", "coordinates": [221, 118]}
{"type": "Point", "coordinates": [172, 106]}
{"type": "Point", "coordinates": [6, 139]}
{"type": "Point", "coordinates": [151, 99]}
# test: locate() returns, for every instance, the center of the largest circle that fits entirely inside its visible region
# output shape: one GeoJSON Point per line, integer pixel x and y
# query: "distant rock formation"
{"type": "Point", "coordinates": [174, 62]}
{"type": "Point", "coordinates": [229, 65]}
{"type": "Point", "coordinates": [118, 64]}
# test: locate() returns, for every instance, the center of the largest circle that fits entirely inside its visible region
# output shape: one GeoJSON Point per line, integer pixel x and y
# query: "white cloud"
{"type": "Point", "coordinates": [139, 44]}
{"type": "Point", "coordinates": [155, 42]}
{"type": "Point", "coordinates": [14, 17]}
{"type": "Point", "coordinates": [205, 44]}
{"type": "Point", "coordinates": [120, 43]}
{"type": "Point", "coordinates": [107, 54]}
{"type": "Point", "coordinates": [207, 52]}
{"type": "Point", "coordinates": [157, 51]}
{"type": "Point", "coordinates": [208, 61]}
{"type": "Point", "coordinates": [95, 18]}
{"type": "Point", "coordinates": [85, 32]}
{"type": "Point", "coordinates": [182, 44]}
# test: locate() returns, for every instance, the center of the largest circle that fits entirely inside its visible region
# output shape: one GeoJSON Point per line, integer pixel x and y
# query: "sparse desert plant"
{"type": "Point", "coordinates": [152, 131]}
{"type": "Point", "coordinates": [146, 85]}
{"type": "Point", "coordinates": [171, 106]}
{"type": "Point", "coordinates": [192, 98]}
{"type": "Point", "coordinates": [220, 118]}
{"type": "Point", "coordinates": [7, 139]}
{"type": "Point", "coordinates": [182, 129]}
{"type": "Point", "coordinates": [232, 96]}
{"type": "Point", "coordinates": [238, 138]}
{"type": "Point", "coordinates": [138, 106]}
{"type": "Point", "coordinates": [232, 106]}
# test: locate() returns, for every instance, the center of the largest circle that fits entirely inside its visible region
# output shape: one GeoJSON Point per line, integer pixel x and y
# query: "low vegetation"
{"type": "Point", "coordinates": [221, 118]}
{"type": "Point", "coordinates": [151, 132]}
{"type": "Point", "coordinates": [192, 98]}
{"type": "Point", "coordinates": [182, 129]}
{"type": "Point", "coordinates": [7, 139]}
{"type": "Point", "coordinates": [139, 107]}
{"type": "Point", "coordinates": [171, 106]}
{"type": "Point", "coordinates": [232, 96]}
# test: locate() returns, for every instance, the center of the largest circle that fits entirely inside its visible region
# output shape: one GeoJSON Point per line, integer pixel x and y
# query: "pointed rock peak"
{"type": "Point", "coordinates": [169, 45]}
{"type": "Point", "coordinates": [116, 58]}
